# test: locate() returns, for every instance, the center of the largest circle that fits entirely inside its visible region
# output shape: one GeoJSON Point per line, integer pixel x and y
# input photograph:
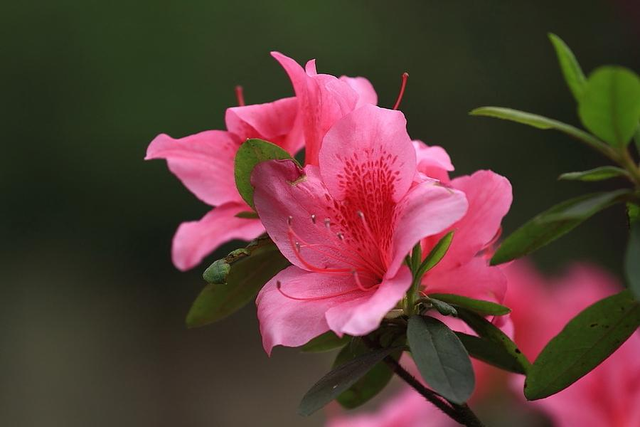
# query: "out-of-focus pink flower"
{"type": "Point", "coordinates": [346, 226]}
{"type": "Point", "coordinates": [609, 395]}
{"type": "Point", "coordinates": [204, 162]}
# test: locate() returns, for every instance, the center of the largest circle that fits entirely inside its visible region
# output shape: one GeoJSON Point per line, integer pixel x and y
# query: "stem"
{"type": "Point", "coordinates": [626, 161]}
{"type": "Point", "coordinates": [459, 413]}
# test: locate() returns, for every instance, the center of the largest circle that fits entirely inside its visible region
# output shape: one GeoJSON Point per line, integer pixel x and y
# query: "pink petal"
{"type": "Point", "coordinates": [310, 68]}
{"type": "Point", "coordinates": [322, 100]}
{"type": "Point", "coordinates": [203, 162]}
{"type": "Point", "coordinates": [363, 313]}
{"type": "Point", "coordinates": [283, 191]}
{"type": "Point", "coordinates": [428, 209]}
{"type": "Point", "coordinates": [290, 322]}
{"type": "Point", "coordinates": [272, 122]}
{"type": "Point", "coordinates": [474, 279]}
{"type": "Point", "coordinates": [363, 87]}
{"type": "Point", "coordinates": [489, 197]}
{"type": "Point", "coordinates": [433, 161]}
{"type": "Point", "coordinates": [195, 240]}
{"type": "Point", "coordinates": [406, 409]}
{"type": "Point", "coordinates": [368, 153]}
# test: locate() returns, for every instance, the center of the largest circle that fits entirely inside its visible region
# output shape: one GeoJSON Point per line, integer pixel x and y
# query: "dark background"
{"type": "Point", "coordinates": [93, 311]}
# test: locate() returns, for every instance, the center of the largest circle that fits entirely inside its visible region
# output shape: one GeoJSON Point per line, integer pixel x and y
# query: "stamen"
{"type": "Point", "coordinates": [240, 96]}
{"type": "Point", "coordinates": [340, 236]}
{"type": "Point", "coordinates": [327, 223]}
{"type": "Point", "coordinates": [337, 294]}
{"type": "Point", "coordinates": [289, 220]}
{"type": "Point", "coordinates": [313, 218]}
{"type": "Point", "coordinates": [405, 77]}
{"type": "Point", "coordinates": [359, 283]}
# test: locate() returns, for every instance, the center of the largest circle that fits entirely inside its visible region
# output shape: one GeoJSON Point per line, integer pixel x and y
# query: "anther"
{"type": "Point", "coordinates": [240, 96]}
{"type": "Point", "coordinates": [289, 220]}
{"type": "Point", "coordinates": [405, 77]}
{"type": "Point", "coordinates": [327, 223]}
{"type": "Point", "coordinates": [340, 236]}
{"type": "Point", "coordinates": [298, 247]}
{"type": "Point", "coordinates": [313, 218]}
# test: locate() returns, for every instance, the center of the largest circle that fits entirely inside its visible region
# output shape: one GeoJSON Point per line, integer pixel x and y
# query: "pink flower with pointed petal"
{"type": "Point", "coordinates": [323, 99]}
{"type": "Point", "coordinates": [346, 226]}
{"type": "Point", "coordinates": [608, 395]}
{"type": "Point", "coordinates": [204, 162]}
{"type": "Point", "coordinates": [464, 270]}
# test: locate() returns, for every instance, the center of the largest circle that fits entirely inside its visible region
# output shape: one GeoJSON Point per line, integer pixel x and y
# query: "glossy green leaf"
{"type": "Point", "coordinates": [441, 358]}
{"type": "Point", "coordinates": [372, 383]}
{"type": "Point", "coordinates": [610, 104]}
{"type": "Point", "coordinates": [245, 278]}
{"type": "Point", "coordinates": [554, 223]}
{"type": "Point", "coordinates": [491, 333]}
{"type": "Point", "coordinates": [571, 70]}
{"type": "Point", "coordinates": [632, 259]}
{"type": "Point", "coordinates": [479, 306]}
{"type": "Point", "coordinates": [325, 342]}
{"type": "Point", "coordinates": [250, 153]}
{"type": "Point", "coordinates": [340, 379]}
{"type": "Point", "coordinates": [586, 341]}
{"type": "Point", "coordinates": [436, 254]}
{"type": "Point", "coordinates": [541, 122]}
{"type": "Point", "coordinates": [490, 352]}
{"type": "Point", "coordinates": [598, 174]}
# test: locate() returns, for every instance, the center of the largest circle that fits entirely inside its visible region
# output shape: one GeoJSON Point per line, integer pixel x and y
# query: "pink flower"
{"type": "Point", "coordinates": [609, 395]}
{"type": "Point", "coordinates": [465, 269]}
{"type": "Point", "coordinates": [346, 226]}
{"type": "Point", "coordinates": [204, 161]}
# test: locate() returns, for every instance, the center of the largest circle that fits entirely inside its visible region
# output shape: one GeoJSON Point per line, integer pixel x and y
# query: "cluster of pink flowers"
{"type": "Point", "coordinates": [346, 221]}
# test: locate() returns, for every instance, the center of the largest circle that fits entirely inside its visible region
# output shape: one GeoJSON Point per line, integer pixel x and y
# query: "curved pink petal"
{"type": "Point", "coordinates": [291, 322]}
{"type": "Point", "coordinates": [286, 198]}
{"type": "Point", "coordinates": [489, 196]}
{"type": "Point", "coordinates": [363, 313]}
{"type": "Point", "coordinates": [368, 155]}
{"type": "Point", "coordinates": [203, 162]}
{"type": "Point", "coordinates": [363, 87]}
{"type": "Point", "coordinates": [195, 240]}
{"type": "Point", "coordinates": [474, 279]}
{"type": "Point", "coordinates": [433, 161]}
{"type": "Point", "coordinates": [272, 122]}
{"type": "Point", "coordinates": [428, 209]}
{"type": "Point", "coordinates": [322, 100]}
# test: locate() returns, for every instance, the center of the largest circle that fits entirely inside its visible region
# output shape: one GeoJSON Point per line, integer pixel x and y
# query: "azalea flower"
{"type": "Point", "coordinates": [346, 225]}
{"type": "Point", "coordinates": [204, 162]}
{"type": "Point", "coordinates": [608, 395]}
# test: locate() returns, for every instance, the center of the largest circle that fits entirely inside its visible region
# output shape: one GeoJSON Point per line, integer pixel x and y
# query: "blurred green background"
{"type": "Point", "coordinates": [92, 309]}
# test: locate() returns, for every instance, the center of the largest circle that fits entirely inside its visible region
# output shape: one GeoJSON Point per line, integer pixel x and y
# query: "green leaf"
{"type": "Point", "coordinates": [436, 254]}
{"type": "Point", "coordinates": [250, 153]}
{"type": "Point", "coordinates": [554, 223]}
{"type": "Point", "coordinates": [443, 308]}
{"type": "Point", "coordinates": [632, 259]}
{"type": "Point", "coordinates": [541, 122]}
{"type": "Point", "coordinates": [491, 333]}
{"type": "Point", "coordinates": [372, 383]}
{"type": "Point", "coordinates": [610, 104]}
{"type": "Point", "coordinates": [479, 306]}
{"type": "Point", "coordinates": [441, 358]}
{"type": "Point", "coordinates": [325, 342]}
{"type": "Point", "coordinates": [571, 70]}
{"type": "Point", "coordinates": [247, 215]}
{"type": "Point", "coordinates": [586, 341]}
{"type": "Point", "coordinates": [245, 278]}
{"type": "Point", "coordinates": [597, 174]}
{"type": "Point", "coordinates": [340, 379]}
{"type": "Point", "coordinates": [490, 352]}
{"type": "Point", "coordinates": [633, 213]}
